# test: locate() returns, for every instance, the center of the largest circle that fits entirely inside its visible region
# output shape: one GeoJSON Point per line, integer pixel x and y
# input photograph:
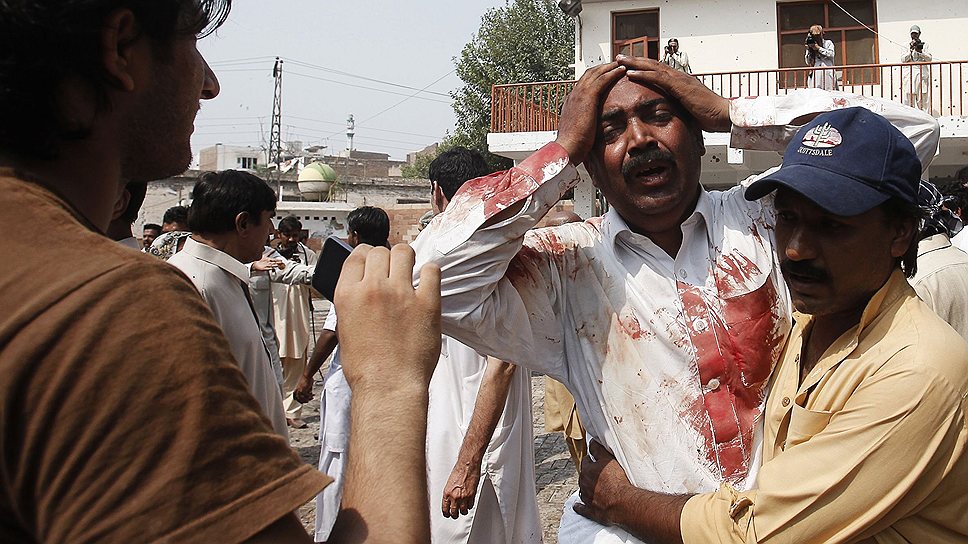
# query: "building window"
{"type": "Point", "coordinates": [246, 163]}
{"type": "Point", "coordinates": [853, 43]}
{"type": "Point", "coordinates": [636, 34]}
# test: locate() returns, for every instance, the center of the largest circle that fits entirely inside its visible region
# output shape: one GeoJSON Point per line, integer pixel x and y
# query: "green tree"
{"type": "Point", "coordinates": [525, 40]}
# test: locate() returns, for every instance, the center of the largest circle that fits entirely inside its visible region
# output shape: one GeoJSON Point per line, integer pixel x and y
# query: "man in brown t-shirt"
{"type": "Point", "coordinates": [109, 433]}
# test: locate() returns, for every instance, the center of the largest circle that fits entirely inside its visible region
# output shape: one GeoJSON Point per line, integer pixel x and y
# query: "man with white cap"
{"type": "Point", "coordinates": [865, 425]}
{"type": "Point", "coordinates": [916, 80]}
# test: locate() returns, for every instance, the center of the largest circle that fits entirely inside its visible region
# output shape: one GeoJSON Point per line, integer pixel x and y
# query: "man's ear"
{"type": "Point", "coordinates": [905, 232]}
{"type": "Point", "coordinates": [439, 199]}
{"type": "Point", "coordinates": [122, 204]}
{"type": "Point", "coordinates": [242, 222]}
{"type": "Point", "coordinates": [120, 32]}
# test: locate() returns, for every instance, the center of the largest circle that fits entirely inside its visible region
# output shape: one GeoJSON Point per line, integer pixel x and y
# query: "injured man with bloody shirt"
{"type": "Point", "coordinates": [665, 316]}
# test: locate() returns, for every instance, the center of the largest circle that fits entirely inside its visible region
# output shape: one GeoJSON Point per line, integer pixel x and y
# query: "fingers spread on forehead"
{"type": "Point", "coordinates": [641, 63]}
{"type": "Point", "coordinates": [601, 75]}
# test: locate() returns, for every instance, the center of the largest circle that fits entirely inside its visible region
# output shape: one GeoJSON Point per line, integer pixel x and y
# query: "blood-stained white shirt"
{"type": "Point", "coordinates": [668, 357]}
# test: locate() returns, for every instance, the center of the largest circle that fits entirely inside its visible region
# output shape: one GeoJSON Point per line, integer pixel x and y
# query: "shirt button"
{"type": "Point", "coordinates": [713, 384]}
{"type": "Point", "coordinates": [682, 272]}
{"type": "Point", "coordinates": [786, 402]}
{"type": "Point", "coordinates": [699, 324]}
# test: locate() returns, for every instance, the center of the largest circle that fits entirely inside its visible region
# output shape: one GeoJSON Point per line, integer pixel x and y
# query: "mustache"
{"type": "Point", "coordinates": [804, 269]}
{"type": "Point", "coordinates": [639, 160]}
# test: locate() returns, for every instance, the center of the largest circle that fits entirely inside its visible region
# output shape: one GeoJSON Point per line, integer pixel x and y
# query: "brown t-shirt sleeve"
{"type": "Point", "coordinates": [127, 421]}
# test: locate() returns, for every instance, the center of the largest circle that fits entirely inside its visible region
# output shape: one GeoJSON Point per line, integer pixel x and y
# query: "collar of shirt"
{"type": "Point", "coordinates": [218, 258]}
{"type": "Point", "coordinates": [933, 243]}
{"type": "Point", "coordinates": [895, 287]}
{"type": "Point", "coordinates": [613, 225]}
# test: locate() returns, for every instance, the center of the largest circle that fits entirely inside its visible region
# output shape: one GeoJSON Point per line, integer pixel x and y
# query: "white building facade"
{"type": "Point", "coordinates": [755, 48]}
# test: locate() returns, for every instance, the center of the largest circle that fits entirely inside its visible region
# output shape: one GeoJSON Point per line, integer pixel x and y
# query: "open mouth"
{"type": "Point", "coordinates": [652, 173]}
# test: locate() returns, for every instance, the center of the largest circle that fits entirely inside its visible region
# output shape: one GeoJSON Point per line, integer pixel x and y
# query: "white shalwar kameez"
{"type": "Point", "coordinates": [505, 508]}
{"type": "Point", "coordinates": [668, 357]}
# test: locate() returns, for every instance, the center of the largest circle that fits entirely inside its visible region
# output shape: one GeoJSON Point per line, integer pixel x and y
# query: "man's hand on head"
{"type": "Point", "coordinates": [709, 109]}
{"type": "Point", "coordinates": [389, 332]}
{"type": "Point", "coordinates": [578, 124]}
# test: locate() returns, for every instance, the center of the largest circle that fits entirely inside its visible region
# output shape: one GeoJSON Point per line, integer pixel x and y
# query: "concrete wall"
{"type": "Point", "coordinates": [724, 36]}
{"type": "Point", "coordinates": [226, 157]}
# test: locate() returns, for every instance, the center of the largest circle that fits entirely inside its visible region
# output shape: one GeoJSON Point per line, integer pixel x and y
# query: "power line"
{"type": "Point", "coordinates": [407, 98]}
{"type": "Point", "coordinates": [348, 74]}
{"type": "Point", "coordinates": [365, 87]}
{"type": "Point", "coordinates": [204, 123]}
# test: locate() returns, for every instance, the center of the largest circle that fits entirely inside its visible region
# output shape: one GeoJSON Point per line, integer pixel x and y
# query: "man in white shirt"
{"type": "Point", "coordinates": [916, 80]}
{"type": "Point", "coordinates": [230, 219]}
{"type": "Point", "coordinates": [819, 51]}
{"type": "Point", "coordinates": [292, 310]}
{"type": "Point", "coordinates": [666, 316]}
{"type": "Point", "coordinates": [480, 446]}
{"type": "Point", "coordinates": [365, 225]}
{"type": "Point", "coordinates": [273, 268]}
{"type": "Point", "coordinates": [676, 58]}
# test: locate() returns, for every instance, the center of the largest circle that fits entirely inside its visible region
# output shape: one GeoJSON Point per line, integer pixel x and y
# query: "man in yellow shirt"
{"type": "Point", "coordinates": [865, 426]}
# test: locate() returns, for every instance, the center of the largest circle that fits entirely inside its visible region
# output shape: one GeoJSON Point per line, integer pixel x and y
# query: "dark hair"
{"type": "Point", "coordinates": [957, 193]}
{"type": "Point", "coordinates": [454, 167]}
{"type": "Point", "coordinates": [43, 43]}
{"type": "Point", "coordinates": [962, 175]}
{"type": "Point", "coordinates": [151, 226]}
{"type": "Point", "coordinates": [175, 214]}
{"type": "Point", "coordinates": [371, 225]}
{"type": "Point", "coordinates": [290, 223]}
{"type": "Point", "coordinates": [137, 190]}
{"type": "Point", "coordinates": [896, 210]}
{"type": "Point", "coordinates": [221, 196]}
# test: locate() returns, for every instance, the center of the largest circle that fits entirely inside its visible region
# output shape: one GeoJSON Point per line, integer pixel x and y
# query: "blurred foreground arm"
{"type": "Point", "coordinates": [390, 340]}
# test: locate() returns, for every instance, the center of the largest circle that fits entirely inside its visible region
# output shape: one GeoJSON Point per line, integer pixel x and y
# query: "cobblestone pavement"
{"type": "Point", "coordinates": [555, 475]}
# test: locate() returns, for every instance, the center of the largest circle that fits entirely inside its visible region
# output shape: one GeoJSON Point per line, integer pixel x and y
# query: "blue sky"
{"type": "Point", "coordinates": [329, 47]}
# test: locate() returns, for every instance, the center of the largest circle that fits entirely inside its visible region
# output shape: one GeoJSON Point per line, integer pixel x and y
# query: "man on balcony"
{"type": "Point", "coordinates": [819, 52]}
{"type": "Point", "coordinates": [916, 80]}
{"type": "Point", "coordinates": [665, 316]}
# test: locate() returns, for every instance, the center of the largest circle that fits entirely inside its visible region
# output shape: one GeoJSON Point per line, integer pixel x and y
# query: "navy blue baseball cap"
{"type": "Point", "coordinates": [846, 161]}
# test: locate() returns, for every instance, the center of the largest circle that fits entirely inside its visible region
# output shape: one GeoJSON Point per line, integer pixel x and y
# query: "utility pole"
{"type": "Point", "coordinates": [275, 132]}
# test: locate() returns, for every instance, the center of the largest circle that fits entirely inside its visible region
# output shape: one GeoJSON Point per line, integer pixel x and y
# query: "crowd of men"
{"type": "Point", "coordinates": [748, 365]}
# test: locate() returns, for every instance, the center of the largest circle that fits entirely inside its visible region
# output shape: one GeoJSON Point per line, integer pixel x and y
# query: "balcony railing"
{"type": "Point", "coordinates": [939, 88]}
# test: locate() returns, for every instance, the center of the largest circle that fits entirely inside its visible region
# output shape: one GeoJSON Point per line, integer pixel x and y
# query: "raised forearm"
{"type": "Point", "coordinates": [386, 465]}
{"type": "Point", "coordinates": [488, 408]}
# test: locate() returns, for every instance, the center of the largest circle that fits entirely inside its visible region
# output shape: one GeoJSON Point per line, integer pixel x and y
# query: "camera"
{"type": "Point", "coordinates": [918, 45]}
{"type": "Point", "coordinates": [810, 39]}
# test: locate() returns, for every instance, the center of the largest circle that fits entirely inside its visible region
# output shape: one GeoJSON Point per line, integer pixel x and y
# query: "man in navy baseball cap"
{"type": "Point", "coordinates": [866, 404]}
{"type": "Point", "coordinates": [847, 161]}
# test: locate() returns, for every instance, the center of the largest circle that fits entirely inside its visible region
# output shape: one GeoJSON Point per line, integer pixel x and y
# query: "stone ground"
{"type": "Point", "coordinates": [555, 475]}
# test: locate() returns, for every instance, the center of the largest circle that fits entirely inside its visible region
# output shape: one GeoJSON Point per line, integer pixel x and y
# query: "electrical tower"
{"type": "Point", "coordinates": [275, 133]}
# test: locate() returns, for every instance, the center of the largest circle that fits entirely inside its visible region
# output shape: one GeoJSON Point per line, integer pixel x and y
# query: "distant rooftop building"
{"type": "Point", "coordinates": [231, 157]}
